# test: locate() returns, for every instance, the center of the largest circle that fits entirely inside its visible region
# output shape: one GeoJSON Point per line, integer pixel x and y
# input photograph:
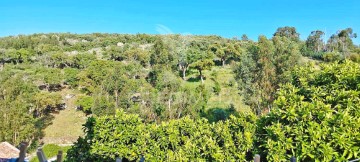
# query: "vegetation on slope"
{"type": "Point", "coordinates": [315, 117]}
{"type": "Point", "coordinates": [170, 78]}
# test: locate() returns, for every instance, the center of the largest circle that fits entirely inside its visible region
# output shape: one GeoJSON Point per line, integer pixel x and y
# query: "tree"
{"type": "Point", "coordinates": [115, 53]}
{"type": "Point", "coordinates": [114, 82]}
{"type": "Point", "coordinates": [185, 53]}
{"type": "Point", "coordinates": [18, 123]}
{"type": "Point", "coordinates": [71, 77]}
{"type": "Point", "coordinates": [86, 103]}
{"type": "Point", "coordinates": [186, 58]}
{"type": "Point", "coordinates": [286, 55]}
{"type": "Point", "coordinates": [94, 75]}
{"type": "Point", "coordinates": [315, 116]}
{"type": "Point", "coordinates": [59, 60]}
{"type": "Point", "coordinates": [46, 102]}
{"type": "Point", "coordinates": [12, 55]}
{"type": "Point", "coordinates": [288, 32]}
{"type": "Point", "coordinates": [16, 108]}
{"type": "Point", "coordinates": [345, 36]}
{"type": "Point", "coordinates": [160, 54]}
{"type": "Point", "coordinates": [244, 37]}
{"type": "Point", "coordinates": [315, 42]}
{"type": "Point", "coordinates": [103, 104]}
{"type": "Point", "coordinates": [341, 41]}
{"type": "Point", "coordinates": [167, 84]}
{"type": "Point", "coordinates": [262, 70]}
{"type": "Point", "coordinates": [219, 51]}
{"type": "Point", "coordinates": [203, 62]}
{"type": "Point", "coordinates": [137, 54]}
{"type": "Point", "coordinates": [232, 50]}
{"type": "Point", "coordinates": [52, 77]}
{"type": "Point", "coordinates": [83, 60]}
{"type": "Point", "coordinates": [225, 51]}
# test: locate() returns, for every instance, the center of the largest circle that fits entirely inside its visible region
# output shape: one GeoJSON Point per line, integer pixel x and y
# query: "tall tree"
{"type": "Point", "coordinates": [345, 36]}
{"type": "Point", "coordinates": [315, 41]}
{"type": "Point", "coordinates": [288, 32]}
{"type": "Point", "coordinates": [244, 37]}
{"type": "Point", "coordinates": [16, 107]}
{"type": "Point", "coordinates": [264, 68]}
{"type": "Point", "coordinates": [342, 41]}
{"type": "Point", "coordinates": [187, 57]}
{"type": "Point", "coordinates": [203, 62]}
{"type": "Point", "coordinates": [160, 54]}
{"type": "Point", "coordinates": [218, 50]}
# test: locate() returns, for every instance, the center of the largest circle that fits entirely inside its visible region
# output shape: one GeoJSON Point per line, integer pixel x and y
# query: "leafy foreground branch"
{"type": "Point", "coordinates": [125, 135]}
{"type": "Point", "coordinates": [316, 118]}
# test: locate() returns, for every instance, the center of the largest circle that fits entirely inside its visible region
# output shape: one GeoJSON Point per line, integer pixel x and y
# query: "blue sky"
{"type": "Point", "coordinates": [227, 18]}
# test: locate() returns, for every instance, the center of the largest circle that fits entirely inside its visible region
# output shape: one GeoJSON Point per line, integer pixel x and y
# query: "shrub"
{"type": "Point", "coordinates": [125, 135]}
{"type": "Point", "coordinates": [217, 88]}
{"type": "Point", "coordinates": [315, 119]}
{"type": "Point", "coordinates": [86, 103]}
{"type": "Point", "coordinates": [331, 57]}
{"type": "Point", "coordinates": [355, 57]}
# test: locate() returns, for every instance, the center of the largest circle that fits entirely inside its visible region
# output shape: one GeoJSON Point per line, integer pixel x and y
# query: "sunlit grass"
{"type": "Point", "coordinates": [229, 93]}
{"type": "Point", "coordinates": [67, 124]}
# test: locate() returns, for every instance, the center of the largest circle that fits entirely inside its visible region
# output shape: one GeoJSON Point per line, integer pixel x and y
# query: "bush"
{"type": "Point", "coordinates": [331, 57]}
{"type": "Point", "coordinates": [317, 55]}
{"type": "Point", "coordinates": [217, 88]}
{"type": "Point", "coordinates": [316, 118]}
{"type": "Point", "coordinates": [355, 57]}
{"type": "Point", "coordinates": [86, 103]}
{"type": "Point", "coordinates": [71, 77]}
{"type": "Point", "coordinates": [185, 139]}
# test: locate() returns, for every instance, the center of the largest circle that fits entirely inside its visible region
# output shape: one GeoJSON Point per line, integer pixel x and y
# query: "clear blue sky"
{"type": "Point", "coordinates": [227, 18]}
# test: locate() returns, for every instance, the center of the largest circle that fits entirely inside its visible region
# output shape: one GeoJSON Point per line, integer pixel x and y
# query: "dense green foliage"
{"type": "Point", "coordinates": [183, 107]}
{"type": "Point", "coordinates": [338, 47]}
{"type": "Point", "coordinates": [263, 68]}
{"type": "Point", "coordinates": [316, 117]}
{"type": "Point", "coordinates": [136, 73]}
{"type": "Point", "coordinates": [184, 139]}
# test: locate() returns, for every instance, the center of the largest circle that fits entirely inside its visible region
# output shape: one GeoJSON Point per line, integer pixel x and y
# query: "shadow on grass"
{"type": "Point", "coordinates": [219, 114]}
{"type": "Point", "coordinates": [42, 123]}
{"type": "Point", "coordinates": [192, 79]}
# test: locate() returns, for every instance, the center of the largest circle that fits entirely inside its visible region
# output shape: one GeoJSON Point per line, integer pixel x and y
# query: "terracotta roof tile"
{"type": "Point", "coordinates": [8, 151]}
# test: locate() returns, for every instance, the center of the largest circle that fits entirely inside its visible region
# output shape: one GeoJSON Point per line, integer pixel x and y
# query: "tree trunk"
{"type": "Point", "coordinates": [116, 99]}
{"type": "Point", "coordinates": [318, 48]}
{"type": "Point", "coordinates": [223, 62]}
{"type": "Point", "coordinates": [169, 106]}
{"type": "Point", "coordinates": [184, 73]}
{"type": "Point", "coordinates": [179, 115]}
{"type": "Point", "coordinates": [201, 77]}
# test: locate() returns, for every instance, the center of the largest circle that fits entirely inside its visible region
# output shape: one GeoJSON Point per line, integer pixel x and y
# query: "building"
{"type": "Point", "coordinates": [8, 151]}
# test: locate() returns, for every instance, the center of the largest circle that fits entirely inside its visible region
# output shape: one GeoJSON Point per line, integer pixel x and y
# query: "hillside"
{"type": "Point", "coordinates": [182, 96]}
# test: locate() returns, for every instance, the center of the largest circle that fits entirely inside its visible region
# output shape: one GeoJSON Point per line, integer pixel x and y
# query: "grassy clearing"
{"type": "Point", "coordinates": [229, 93]}
{"type": "Point", "coordinates": [66, 126]}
